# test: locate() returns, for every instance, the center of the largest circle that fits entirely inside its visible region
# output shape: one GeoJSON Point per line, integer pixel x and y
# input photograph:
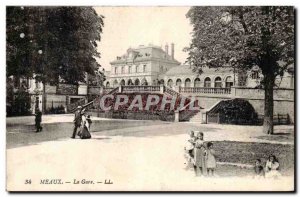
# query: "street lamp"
{"type": "Point", "coordinates": [40, 52]}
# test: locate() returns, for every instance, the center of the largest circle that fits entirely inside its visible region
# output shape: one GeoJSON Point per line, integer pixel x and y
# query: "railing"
{"type": "Point", "coordinates": [107, 90]}
{"type": "Point", "coordinates": [205, 90]}
{"type": "Point", "coordinates": [140, 88]}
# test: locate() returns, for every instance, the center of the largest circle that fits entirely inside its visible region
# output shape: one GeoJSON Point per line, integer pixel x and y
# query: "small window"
{"type": "Point", "coordinates": [122, 70]}
{"type": "Point", "coordinates": [116, 70]}
{"type": "Point", "coordinates": [129, 69]}
{"type": "Point", "coordinates": [137, 69]}
{"type": "Point", "coordinates": [144, 68]}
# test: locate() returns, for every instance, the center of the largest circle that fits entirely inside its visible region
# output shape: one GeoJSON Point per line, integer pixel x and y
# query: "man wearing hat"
{"type": "Point", "coordinates": [77, 121]}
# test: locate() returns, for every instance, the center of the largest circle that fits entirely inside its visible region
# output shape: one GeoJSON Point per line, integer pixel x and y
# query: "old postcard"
{"type": "Point", "coordinates": [150, 98]}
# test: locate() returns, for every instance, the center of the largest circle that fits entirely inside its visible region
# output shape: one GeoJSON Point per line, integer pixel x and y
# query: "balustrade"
{"type": "Point", "coordinates": [205, 90]}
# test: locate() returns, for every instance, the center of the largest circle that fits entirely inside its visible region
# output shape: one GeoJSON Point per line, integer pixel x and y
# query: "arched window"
{"type": "Point", "coordinates": [197, 82]}
{"type": "Point", "coordinates": [115, 83]}
{"type": "Point", "coordinates": [161, 82]}
{"type": "Point", "coordinates": [122, 83]}
{"type": "Point", "coordinates": [122, 70]}
{"type": "Point", "coordinates": [107, 84]}
{"type": "Point", "coordinates": [178, 82]}
{"type": "Point", "coordinates": [144, 82]}
{"type": "Point", "coordinates": [137, 82]}
{"type": "Point", "coordinates": [187, 83]}
{"type": "Point", "coordinates": [170, 83]}
{"type": "Point", "coordinates": [229, 82]}
{"type": "Point", "coordinates": [129, 82]}
{"type": "Point", "coordinates": [218, 82]}
{"type": "Point", "coordinates": [207, 82]}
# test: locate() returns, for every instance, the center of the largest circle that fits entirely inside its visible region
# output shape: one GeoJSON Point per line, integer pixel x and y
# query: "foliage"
{"type": "Point", "coordinates": [58, 42]}
{"type": "Point", "coordinates": [20, 105]}
{"type": "Point", "coordinates": [243, 37]}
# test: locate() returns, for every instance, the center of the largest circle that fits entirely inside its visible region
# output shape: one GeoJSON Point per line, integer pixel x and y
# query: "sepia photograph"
{"type": "Point", "coordinates": [150, 98]}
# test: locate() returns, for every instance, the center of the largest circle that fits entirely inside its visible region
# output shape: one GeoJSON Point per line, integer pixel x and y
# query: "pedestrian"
{"type": "Point", "coordinates": [77, 121]}
{"type": "Point", "coordinates": [210, 159]}
{"type": "Point", "coordinates": [199, 155]}
{"type": "Point", "coordinates": [38, 120]}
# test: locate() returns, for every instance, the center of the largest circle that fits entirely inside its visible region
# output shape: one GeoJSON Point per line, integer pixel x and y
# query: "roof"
{"type": "Point", "coordinates": [142, 53]}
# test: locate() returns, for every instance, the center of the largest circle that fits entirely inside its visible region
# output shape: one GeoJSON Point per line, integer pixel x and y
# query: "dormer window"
{"type": "Point", "coordinates": [255, 75]}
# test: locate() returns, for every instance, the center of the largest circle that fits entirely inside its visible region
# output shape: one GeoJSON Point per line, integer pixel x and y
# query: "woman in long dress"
{"type": "Point", "coordinates": [86, 123]}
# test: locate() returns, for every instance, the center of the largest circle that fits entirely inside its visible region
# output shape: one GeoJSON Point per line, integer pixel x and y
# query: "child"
{"type": "Point", "coordinates": [199, 155]}
{"type": "Point", "coordinates": [272, 167]}
{"type": "Point", "coordinates": [259, 169]}
{"type": "Point", "coordinates": [210, 159]}
{"type": "Point", "coordinates": [189, 149]}
{"type": "Point", "coordinates": [191, 144]}
{"type": "Point", "coordinates": [88, 119]}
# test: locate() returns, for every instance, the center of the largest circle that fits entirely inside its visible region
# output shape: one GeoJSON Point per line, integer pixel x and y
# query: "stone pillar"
{"type": "Point", "coordinates": [203, 117]}
{"type": "Point", "coordinates": [176, 116]}
{"type": "Point", "coordinates": [161, 89]}
{"type": "Point", "coordinates": [120, 89]}
{"type": "Point", "coordinates": [233, 91]}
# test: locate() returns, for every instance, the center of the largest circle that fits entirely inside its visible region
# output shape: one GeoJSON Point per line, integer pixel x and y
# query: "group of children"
{"type": "Point", "coordinates": [271, 169]}
{"type": "Point", "coordinates": [201, 154]}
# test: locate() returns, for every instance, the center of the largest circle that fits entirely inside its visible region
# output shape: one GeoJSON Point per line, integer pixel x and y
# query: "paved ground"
{"type": "Point", "coordinates": [135, 155]}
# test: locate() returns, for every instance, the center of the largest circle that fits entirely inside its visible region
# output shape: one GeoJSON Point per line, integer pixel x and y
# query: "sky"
{"type": "Point", "coordinates": [126, 27]}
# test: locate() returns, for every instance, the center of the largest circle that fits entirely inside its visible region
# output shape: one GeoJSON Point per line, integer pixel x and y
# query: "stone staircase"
{"type": "Point", "coordinates": [196, 118]}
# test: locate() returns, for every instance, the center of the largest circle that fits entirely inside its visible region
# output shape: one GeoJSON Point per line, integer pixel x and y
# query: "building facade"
{"type": "Point", "coordinates": [151, 65]}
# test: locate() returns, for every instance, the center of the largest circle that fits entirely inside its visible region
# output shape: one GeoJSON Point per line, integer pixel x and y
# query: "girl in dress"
{"type": "Point", "coordinates": [189, 150]}
{"type": "Point", "coordinates": [210, 159]}
{"type": "Point", "coordinates": [272, 167]}
{"type": "Point", "coordinates": [199, 155]}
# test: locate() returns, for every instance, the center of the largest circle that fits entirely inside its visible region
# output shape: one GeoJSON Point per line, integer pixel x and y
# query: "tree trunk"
{"type": "Point", "coordinates": [44, 98]}
{"type": "Point", "coordinates": [269, 105]}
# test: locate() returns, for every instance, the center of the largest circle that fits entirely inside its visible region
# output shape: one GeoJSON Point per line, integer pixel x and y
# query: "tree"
{"type": "Point", "coordinates": [243, 37]}
{"type": "Point", "coordinates": [60, 43]}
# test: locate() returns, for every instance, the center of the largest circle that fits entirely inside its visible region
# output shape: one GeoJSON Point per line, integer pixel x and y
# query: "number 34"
{"type": "Point", "coordinates": [28, 181]}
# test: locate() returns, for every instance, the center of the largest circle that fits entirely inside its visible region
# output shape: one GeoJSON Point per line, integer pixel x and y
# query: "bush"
{"type": "Point", "coordinates": [20, 106]}
{"type": "Point", "coordinates": [56, 110]}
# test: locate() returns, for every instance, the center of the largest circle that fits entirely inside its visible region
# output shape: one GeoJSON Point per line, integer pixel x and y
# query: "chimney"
{"type": "Point", "coordinates": [167, 48]}
{"type": "Point", "coordinates": [172, 50]}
